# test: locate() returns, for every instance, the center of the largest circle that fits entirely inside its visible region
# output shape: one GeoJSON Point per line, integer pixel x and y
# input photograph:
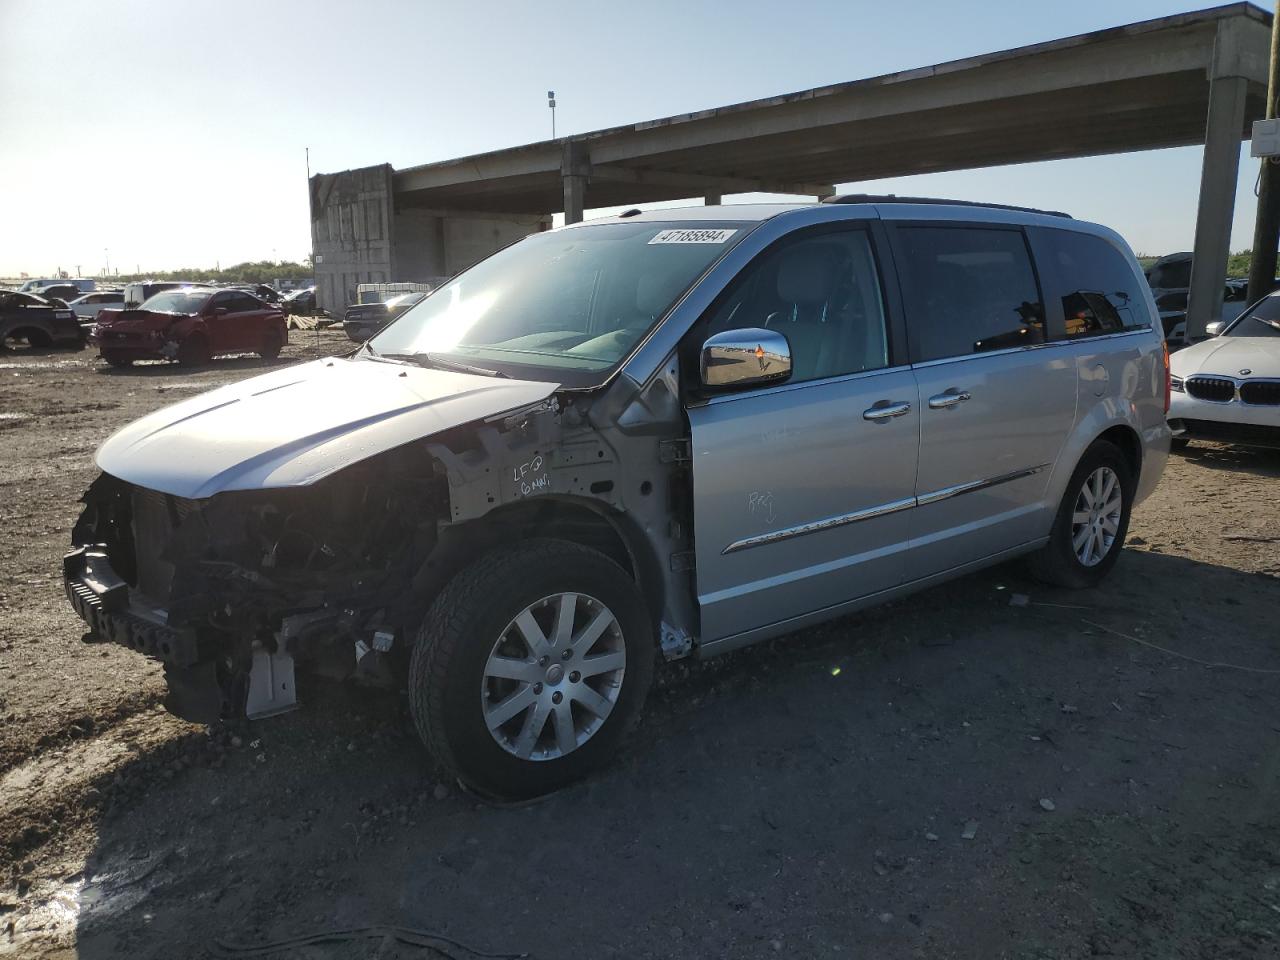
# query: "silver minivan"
{"type": "Point", "coordinates": [646, 437]}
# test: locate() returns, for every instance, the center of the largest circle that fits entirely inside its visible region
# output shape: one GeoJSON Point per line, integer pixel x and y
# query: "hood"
{"type": "Point", "coordinates": [293, 427]}
{"type": "Point", "coordinates": [1227, 356]}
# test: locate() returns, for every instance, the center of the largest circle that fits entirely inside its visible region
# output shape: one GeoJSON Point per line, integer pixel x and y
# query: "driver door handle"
{"type": "Point", "coordinates": [885, 411]}
{"type": "Point", "coordinates": [951, 398]}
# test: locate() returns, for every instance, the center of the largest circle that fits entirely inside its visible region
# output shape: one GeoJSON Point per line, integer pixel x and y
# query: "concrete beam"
{"type": "Point", "coordinates": [1218, 173]}
{"type": "Point", "coordinates": [697, 182]}
{"type": "Point", "coordinates": [575, 168]}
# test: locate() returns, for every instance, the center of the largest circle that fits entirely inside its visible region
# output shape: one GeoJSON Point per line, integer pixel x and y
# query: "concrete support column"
{"type": "Point", "coordinates": [1224, 131]}
{"type": "Point", "coordinates": [575, 169]}
{"type": "Point", "coordinates": [712, 199]}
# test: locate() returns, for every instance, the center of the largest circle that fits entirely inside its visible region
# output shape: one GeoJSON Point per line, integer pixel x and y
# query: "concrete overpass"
{"type": "Point", "coordinates": [1194, 78]}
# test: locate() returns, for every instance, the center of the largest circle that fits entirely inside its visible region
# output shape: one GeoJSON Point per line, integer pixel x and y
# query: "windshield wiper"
{"type": "Point", "coordinates": [402, 358]}
{"type": "Point", "coordinates": [1273, 324]}
{"type": "Point", "coordinates": [438, 361]}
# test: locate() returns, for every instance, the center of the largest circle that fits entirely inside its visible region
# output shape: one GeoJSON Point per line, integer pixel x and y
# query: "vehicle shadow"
{"type": "Point", "coordinates": [163, 368]}
{"type": "Point", "coordinates": [877, 780]}
{"type": "Point", "coordinates": [1258, 461]}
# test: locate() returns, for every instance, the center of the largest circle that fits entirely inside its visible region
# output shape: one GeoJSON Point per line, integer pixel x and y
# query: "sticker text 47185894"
{"type": "Point", "coordinates": [692, 236]}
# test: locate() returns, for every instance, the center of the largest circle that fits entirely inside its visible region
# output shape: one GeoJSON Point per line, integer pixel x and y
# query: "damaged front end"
{"type": "Point", "coordinates": [229, 592]}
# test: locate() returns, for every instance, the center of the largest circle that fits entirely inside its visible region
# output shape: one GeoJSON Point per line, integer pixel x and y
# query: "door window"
{"type": "Point", "coordinates": [1103, 292]}
{"type": "Point", "coordinates": [820, 291]}
{"type": "Point", "coordinates": [968, 290]}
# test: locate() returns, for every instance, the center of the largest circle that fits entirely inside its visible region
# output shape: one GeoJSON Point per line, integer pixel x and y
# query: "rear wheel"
{"type": "Point", "coordinates": [193, 351]}
{"type": "Point", "coordinates": [530, 667]}
{"type": "Point", "coordinates": [1091, 523]}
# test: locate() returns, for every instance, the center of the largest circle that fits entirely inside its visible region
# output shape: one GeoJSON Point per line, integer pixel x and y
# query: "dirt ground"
{"type": "Point", "coordinates": [989, 769]}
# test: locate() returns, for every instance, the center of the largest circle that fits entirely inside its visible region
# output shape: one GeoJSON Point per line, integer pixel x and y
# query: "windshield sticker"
{"type": "Point", "coordinates": [692, 236]}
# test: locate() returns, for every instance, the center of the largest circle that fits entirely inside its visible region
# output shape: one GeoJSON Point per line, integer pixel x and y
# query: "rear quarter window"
{"type": "Point", "coordinates": [1101, 292]}
{"type": "Point", "coordinates": [968, 290]}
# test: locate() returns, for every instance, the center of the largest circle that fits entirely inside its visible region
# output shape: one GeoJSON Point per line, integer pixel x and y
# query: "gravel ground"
{"type": "Point", "coordinates": [989, 769]}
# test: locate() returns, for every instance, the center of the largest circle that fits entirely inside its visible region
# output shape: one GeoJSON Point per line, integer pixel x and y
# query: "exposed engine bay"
{"type": "Point", "coordinates": [232, 591]}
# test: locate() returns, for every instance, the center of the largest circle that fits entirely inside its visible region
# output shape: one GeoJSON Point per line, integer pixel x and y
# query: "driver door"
{"type": "Point", "coordinates": [803, 490]}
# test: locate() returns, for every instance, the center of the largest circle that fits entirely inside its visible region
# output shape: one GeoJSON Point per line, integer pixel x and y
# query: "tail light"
{"type": "Point", "coordinates": [1168, 383]}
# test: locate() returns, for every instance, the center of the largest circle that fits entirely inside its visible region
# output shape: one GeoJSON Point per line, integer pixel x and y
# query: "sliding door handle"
{"type": "Point", "coordinates": [951, 398]}
{"type": "Point", "coordinates": [884, 410]}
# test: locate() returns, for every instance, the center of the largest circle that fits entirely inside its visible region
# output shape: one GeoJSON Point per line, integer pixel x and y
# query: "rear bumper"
{"type": "Point", "coordinates": [102, 599]}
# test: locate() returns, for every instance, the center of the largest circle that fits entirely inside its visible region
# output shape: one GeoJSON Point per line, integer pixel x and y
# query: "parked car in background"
{"type": "Point", "coordinates": [88, 306]}
{"type": "Point", "coordinates": [82, 284]}
{"type": "Point", "coordinates": [363, 320]}
{"type": "Point", "coordinates": [1170, 282]}
{"type": "Point", "coordinates": [35, 283]}
{"type": "Point", "coordinates": [135, 294]}
{"type": "Point", "coordinates": [260, 290]}
{"type": "Point", "coordinates": [668, 434]}
{"type": "Point", "coordinates": [26, 318]}
{"type": "Point", "coordinates": [66, 292]}
{"type": "Point", "coordinates": [1227, 388]}
{"type": "Point", "coordinates": [300, 301]}
{"type": "Point", "coordinates": [191, 325]}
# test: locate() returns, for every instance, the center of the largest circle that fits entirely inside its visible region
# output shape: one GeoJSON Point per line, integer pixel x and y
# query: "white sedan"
{"type": "Point", "coordinates": [1227, 388]}
{"type": "Point", "coordinates": [87, 307]}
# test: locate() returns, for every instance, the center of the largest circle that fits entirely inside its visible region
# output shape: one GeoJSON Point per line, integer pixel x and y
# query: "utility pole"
{"type": "Point", "coordinates": [551, 102]}
{"type": "Point", "coordinates": [1266, 229]}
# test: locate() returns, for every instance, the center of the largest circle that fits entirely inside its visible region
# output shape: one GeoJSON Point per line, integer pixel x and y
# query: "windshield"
{"type": "Point", "coordinates": [1263, 320]}
{"type": "Point", "coordinates": [177, 301]}
{"type": "Point", "coordinates": [571, 302]}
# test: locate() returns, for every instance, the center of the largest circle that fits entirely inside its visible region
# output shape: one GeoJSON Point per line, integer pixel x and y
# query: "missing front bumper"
{"type": "Point", "coordinates": [105, 603]}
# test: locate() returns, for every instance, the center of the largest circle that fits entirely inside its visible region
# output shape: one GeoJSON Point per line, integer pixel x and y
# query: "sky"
{"type": "Point", "coordinates": [159, 134]}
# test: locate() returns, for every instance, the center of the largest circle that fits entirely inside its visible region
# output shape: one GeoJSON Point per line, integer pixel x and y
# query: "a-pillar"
{"type": "Point", "coordinates": [1224, 130]}
{"type": "Point", "coordinates": [575, 168]}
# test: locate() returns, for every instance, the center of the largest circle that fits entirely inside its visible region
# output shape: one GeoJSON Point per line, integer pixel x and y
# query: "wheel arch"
{"type": "Point", "coordinates": [25, 331]}
{"type": "Point", "coordinates": [579, 520]}
{"type": "Point", "coordinates": [1107, 421]}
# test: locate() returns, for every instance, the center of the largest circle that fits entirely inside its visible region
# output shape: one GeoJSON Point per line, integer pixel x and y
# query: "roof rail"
{"type": "Point", "coordinates": [890, 198]}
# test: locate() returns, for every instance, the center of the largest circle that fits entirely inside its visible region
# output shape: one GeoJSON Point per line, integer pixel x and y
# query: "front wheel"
{"type": "Point", "coordinates": [193, 351]}
{"type": "Point", "coordinates": [530, 667]}
{"type": "Point", "coordinates": [1091, 523]}
{"type": "Point", "coordinates": [271, 345]}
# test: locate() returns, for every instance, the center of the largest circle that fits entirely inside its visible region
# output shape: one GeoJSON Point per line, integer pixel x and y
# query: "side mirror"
{"type": "Point", "coordinates": [750, 357]}
{"type": "Point", "coordinates": [1214, 329]}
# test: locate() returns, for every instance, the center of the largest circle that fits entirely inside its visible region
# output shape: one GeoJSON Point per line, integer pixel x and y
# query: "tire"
{"type": "Point", "coordinates": [119, 363]}
{"type": "Point", "coordinates": [1178, 445]}
{"type": "Point", "coordinates": [474, 619]}
{"type": "Point", "coordinates": [193, 352]}
{"type": "Point", "coordinates": [1058, 562]}
{"type": "Point", "coordinates": [271, 346]}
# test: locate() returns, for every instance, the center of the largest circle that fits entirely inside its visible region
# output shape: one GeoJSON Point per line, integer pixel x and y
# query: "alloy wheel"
{"type": "Point", "coordinates": [1095, 521]}
{"type": "Point", "coordinates": [553, 676]}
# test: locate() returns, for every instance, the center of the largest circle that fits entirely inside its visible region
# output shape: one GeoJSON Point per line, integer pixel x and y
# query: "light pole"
{"type": "Point", "coordinates": [551, 102]}
{"type": "Point", "coordinates": [106, 254]}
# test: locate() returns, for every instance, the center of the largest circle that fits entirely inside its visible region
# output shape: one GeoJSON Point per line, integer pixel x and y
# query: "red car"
{"type": "Point", "coordinates": [191, 325]}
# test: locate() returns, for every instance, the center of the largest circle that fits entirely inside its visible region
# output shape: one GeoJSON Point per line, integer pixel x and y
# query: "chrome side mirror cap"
{"type": "Point", "coordinates": [751, 357]}
{"type": "Point", "coordinates": [1214, 329]}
